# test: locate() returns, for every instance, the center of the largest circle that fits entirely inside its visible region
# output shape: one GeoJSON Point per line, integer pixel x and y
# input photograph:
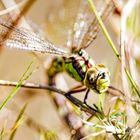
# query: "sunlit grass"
{"type": "Point", "coordinates": [23, 78]}
{"type": "Point", "coordinates": [17, 123]}
{"type": "Point", "coordinates": [104, 30]}
{"type": "Point", "coordinates": [115, 121]}
{"type": "Point", "coordinates": [118, 128]}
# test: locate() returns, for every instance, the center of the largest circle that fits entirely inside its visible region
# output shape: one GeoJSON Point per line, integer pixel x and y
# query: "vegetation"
{"type": "Point", "coordinates": [39, 108]}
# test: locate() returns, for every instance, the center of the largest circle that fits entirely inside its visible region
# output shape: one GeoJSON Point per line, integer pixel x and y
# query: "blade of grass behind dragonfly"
{"type": "Point", "coordinates": [12, 8]}
{"type": "Point", "coordinates": [24, 39]}
{"type": "Point", "coordinates": [2, 133]}
{"type": "Point", "coordinates": [104, 30]}
{"type": "Point", "coordinates": [24, 77]}
{"type": "Point", "coordinates": [134, 86]}
{"type": "Point", "coordinates": [17, 123]}
{"type": "Point", "coordinates": [93, 29]}
{"type": "Point", "coordinates": [49, 135]}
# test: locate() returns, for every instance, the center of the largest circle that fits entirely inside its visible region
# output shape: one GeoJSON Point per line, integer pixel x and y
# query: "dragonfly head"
{"type": "Point", "coordinates": [97, 78]}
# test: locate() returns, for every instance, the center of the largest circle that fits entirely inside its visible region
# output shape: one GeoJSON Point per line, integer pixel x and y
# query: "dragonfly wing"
{"type": "Point", "coordinates": [93, 28]}
{"type": "Point", "coordinates": [82, 21]}
{"type": "Point", "coordinates": [24, 39]}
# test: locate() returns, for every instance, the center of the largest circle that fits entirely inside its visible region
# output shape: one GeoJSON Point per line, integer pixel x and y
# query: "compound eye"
{"type": "Point", "coordinates": [91, 79]}
{"type": "Point", "coordinates": [103, 76]}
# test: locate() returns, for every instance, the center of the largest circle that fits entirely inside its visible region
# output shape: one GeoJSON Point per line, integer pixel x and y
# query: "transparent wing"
{"type": "Point", "coordinates": [86, 26]}
{"type": "Point", "coordinates": [93, 28]}
{"type": "Point", "coordinates": [82, 21]}
{"type": "Point", "coordinates": [24, 39]}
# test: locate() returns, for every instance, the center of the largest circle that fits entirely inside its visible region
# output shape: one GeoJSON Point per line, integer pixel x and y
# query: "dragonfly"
{"type": "Point", "coordinates": [76, 63]}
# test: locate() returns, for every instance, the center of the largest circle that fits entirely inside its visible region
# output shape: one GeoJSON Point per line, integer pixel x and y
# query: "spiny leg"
{"type": "Point", "coordinates": [114, 89]}
{"type": "Point", "coordinates": [85, 101]}
{"type": "Point", "coordinates": [78, 89]}
{"type": "Point", "coordinates": [86, 96]}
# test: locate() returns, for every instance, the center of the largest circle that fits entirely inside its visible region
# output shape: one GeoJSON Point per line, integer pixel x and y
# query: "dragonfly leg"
{"type": "Point", "coordinates": [76, 89]}
{"type": "Point", "coordinates": [86, 96]}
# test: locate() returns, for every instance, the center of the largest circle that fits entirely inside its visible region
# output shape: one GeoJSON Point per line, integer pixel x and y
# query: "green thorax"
{"type": "Point", "coordinates": [78, 64]}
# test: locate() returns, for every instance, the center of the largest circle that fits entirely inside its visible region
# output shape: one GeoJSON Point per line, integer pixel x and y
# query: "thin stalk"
{"type": "Point", "coordinates": [32, 86]}
{"type": "Point", "coordinates": [136, 89]}
{"type": "Point", "coordinates": [2, 132]}
{"type": "Point", "coordinates": [25, 9]}
{"type": "Point", "coordinates": [74, 100]}
{"type": "Point", "coordinates": [104, 30]}
{"type": "Point", "coordinates": [17, 87]}
{"type": "Point", "coordinates": [12, 8]}
{"type": "Point", "coordinates": [17, 123]}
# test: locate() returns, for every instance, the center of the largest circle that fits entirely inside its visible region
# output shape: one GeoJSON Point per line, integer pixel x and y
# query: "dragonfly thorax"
{"type": "Point", "coordinates": [78, 64]}
{"type": "Point", "coordinates": [81, 67]}
{"type": "Point", "coordinates": [97, 78]}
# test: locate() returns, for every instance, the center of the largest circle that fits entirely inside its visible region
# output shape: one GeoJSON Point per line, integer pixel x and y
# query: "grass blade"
{"type": "Point", "coordinates": [17, 87]}
{"type": "Point", "coordinates": [104, 30]}
{"type": "Point", "coordinates": [17, 123]}
{"type": "Point", "coordinates": [136, 89]}
{"type": "Point", "coordinates": [49, 135]}
{"type": "Point", "coordinates": [2, 134]}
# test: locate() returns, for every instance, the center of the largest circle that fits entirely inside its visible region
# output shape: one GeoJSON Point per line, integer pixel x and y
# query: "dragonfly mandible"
{"type": "Point", "coordinates": [77, 63]}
